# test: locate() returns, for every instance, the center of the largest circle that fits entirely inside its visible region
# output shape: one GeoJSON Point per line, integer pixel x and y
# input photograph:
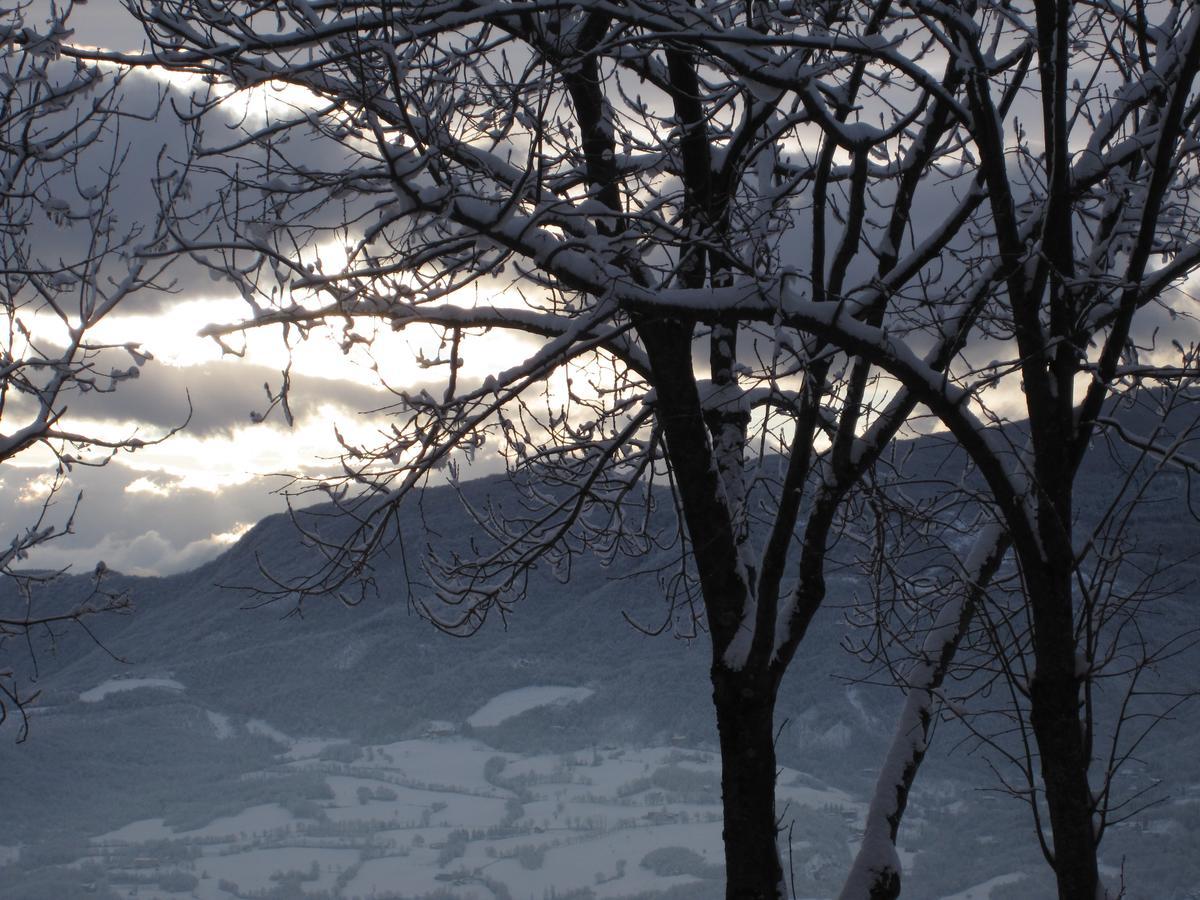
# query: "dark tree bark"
{"type": "Point", "coordinates": [745, 706]}
{"type": "Point", "coordinates": [1056, 722]}
{"type": "Point", "coordinates": [744, 699]}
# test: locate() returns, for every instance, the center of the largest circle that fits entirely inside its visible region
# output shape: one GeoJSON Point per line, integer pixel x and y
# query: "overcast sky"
{"type": "Point", "coordinates": [170, 507]}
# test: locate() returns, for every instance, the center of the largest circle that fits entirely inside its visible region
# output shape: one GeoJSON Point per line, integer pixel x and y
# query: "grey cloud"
{"type": "Point", "coordinates": [101, 23]}
{"type": "Point", "coordinates": [141, 148]}
{"type": "Point", "coordinates": [137, 532]}
{"type": "Point", "coordinates": [933, 202]}
{"type": "Point", "coordinates": [143, 532]}
{"type": "Point", "coordinates": [222, 396]}
{"type": "Point", "coordinates": [144, 554]}
{"type": "Point", "coordinates": [149, 144]}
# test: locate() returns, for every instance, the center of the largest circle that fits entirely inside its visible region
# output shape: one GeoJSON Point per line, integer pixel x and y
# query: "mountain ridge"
{"type": "Point", "coordinates": [379, 672]}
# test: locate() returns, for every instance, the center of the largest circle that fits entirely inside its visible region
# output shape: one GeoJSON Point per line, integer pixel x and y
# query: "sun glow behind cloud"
{"type": "Point", "coordinates": [233, 535]}
{"type": "Point", "coordinates": [217, 461]}
{"type": "Point", "coordinates": [37, 490]}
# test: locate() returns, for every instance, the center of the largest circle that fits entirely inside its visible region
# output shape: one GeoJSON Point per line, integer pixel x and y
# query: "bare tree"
{"type": "Point", "coordinates": [60, 157]}
{"type": "Point", "coordinates": [716, 224]}
{"type": "Point", "coordinates": [1090, 242]}
{"type": "Point", "coordinates": [968, 656]}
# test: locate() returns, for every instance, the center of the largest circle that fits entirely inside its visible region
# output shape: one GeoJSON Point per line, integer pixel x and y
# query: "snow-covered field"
{"type": "Point", "coordinates": [252, 869]}
{"type": "Point", "coordinates": [984, 891]}
{"type": "Point", "coordinates": [451, 816]}
{"type": "Point", "coordinates": [117, 685]}
{"type": "Point", "coordinates": [513, 703]}
{"type": "Point", "coordinates": [254, 820]}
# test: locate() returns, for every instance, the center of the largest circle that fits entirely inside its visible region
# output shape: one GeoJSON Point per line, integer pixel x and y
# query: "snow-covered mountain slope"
{"type": "Point", "coordinates": [200, 688]}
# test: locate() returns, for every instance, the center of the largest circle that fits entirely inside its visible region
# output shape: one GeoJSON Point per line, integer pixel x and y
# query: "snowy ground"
{"type": "Point", "coordinates": [388, 825]}
{"type": "Point", "coordinates": [513, 703]}
{"type": "Point", "coordinates": [116, 685]}
{"type": "Point", "coordinates": [984, 891]}
{"type": "Point", "coordinates": [451, 815]}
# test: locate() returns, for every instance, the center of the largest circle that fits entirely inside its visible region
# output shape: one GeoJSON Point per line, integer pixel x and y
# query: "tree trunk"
{"type": "Point", "coordinates": [1054, 715]}
{"type": "Point", "coordinates": [745, 705]}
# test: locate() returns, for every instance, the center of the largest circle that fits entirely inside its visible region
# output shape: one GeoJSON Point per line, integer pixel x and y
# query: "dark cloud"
{"type": "Point", "coordinates": [101, 23]}
{"type": "Point", "coordinates": [144, 148]}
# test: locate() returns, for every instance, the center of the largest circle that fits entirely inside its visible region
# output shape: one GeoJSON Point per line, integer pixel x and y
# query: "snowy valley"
{"type": "Point", "coordinates": [215, 748]}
